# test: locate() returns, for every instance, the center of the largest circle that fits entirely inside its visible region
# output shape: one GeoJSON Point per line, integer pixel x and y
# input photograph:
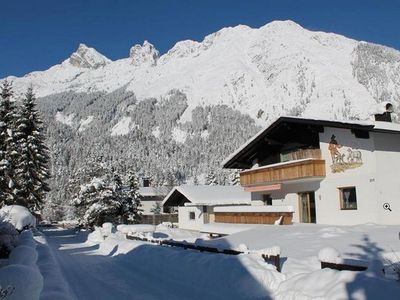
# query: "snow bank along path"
{"type": "Point", "coordinates": [21, 274]}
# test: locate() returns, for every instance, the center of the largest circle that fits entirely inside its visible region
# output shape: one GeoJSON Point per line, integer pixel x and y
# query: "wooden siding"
{"type": "Point", "coordinates": [290, 171]}
{"type": "Point", "coordinates": [301, 154]}
{"type": "Point", "coordinates": [253, 217]}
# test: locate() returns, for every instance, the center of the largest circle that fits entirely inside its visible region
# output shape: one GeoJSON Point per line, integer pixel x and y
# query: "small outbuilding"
{"type": "Point", "coordinates": [151, 197]}
{"type": "Point", "coordinates": [196, 203]}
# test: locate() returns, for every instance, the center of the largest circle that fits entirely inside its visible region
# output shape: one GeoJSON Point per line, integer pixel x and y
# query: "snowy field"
{"type": "Point", "coordinates": [116, 268]}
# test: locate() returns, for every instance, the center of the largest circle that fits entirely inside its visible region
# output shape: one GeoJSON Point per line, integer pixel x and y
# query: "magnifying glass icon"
{"type": "Point", "coordinates": [386, 206]}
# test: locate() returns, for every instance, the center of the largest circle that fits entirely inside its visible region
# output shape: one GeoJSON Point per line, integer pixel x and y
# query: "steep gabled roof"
{"type": "Point", "coordinates": [207, 195]}
{"type": "Point", "coordinates": [312, 125]}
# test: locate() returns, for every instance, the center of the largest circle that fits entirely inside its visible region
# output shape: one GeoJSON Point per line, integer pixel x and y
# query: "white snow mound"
{"type": "Point", "coordinates": [18, 216]}
{"type": "Point", "coordinates": [330, 255]}
{"type": "Point", "coordinates": [25, 281]}
{"type": "Point", "coordinates": [130, 229]}
{"type": "Point", "coordinates": [23, 255]}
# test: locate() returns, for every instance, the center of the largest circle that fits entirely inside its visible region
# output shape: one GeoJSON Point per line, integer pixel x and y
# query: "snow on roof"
{"type": "Point", "coordinates": [254, 208]}
{"type": "Point", "coordinates": [377, 126]}
{"type": "Point", "coordinates": [154, 191]}
{"type": "Point", "coordinates": [212, 194]}
{"type": "Point", "coordinates": [379, 108]}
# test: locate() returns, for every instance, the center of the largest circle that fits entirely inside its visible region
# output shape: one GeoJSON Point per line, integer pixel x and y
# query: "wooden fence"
{"type": "Point", "coordinates": [158, 219]}
{"type": "Point", "coordinates": [274, 259]}
{"type": "Point", "coordinates": [342, 267]}
{"type": "Point", "coordinates": [253, 217]}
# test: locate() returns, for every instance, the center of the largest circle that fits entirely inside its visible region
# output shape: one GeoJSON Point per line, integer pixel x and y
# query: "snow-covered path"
{"type": "Point", "coordinates": [98, 277]}
{"type": "Point", "coordinates": [149, 271]}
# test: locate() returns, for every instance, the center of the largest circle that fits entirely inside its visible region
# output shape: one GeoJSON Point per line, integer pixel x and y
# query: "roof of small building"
{"type": "Point", "coordinates": [207, 195]}
{"type": "Point", "coordinates": [154, 191]}
{"type": "Point", "coordinates": [365, 126]}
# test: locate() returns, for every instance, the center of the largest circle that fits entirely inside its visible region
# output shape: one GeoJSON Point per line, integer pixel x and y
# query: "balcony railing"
{"type": "Point", "coordinates": [301, 154]}
{"type": "Point", "coordinates": [286, 171]}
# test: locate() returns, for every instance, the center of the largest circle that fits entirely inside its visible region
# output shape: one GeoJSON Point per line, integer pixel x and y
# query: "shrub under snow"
{"type": "Point", "coordinates": [19, 216]}
{"type": "Point", "coordinates": [8, 238]}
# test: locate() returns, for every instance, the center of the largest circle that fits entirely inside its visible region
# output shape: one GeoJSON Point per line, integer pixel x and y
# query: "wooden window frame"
{"type": "Point", "coordinates": [340, 189]}
{"type": "Point", "coordinates": [192, 213]}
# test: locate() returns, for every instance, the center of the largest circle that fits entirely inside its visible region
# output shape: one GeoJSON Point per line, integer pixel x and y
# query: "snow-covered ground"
{"type": "Point", "coordinates": [117, 268]}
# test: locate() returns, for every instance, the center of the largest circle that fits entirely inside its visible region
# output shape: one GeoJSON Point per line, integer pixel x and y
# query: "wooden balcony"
{"type": "Point", "coordinates": [277, 173]}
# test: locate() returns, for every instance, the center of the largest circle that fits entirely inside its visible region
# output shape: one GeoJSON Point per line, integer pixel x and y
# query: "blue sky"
{"type": "Point", "coordinates": [35, 35]}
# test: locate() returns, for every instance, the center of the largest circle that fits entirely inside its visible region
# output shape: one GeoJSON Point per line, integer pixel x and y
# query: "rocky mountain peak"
{"type": "Point", "coordinates": [144, 54]}
{"type": "Point", "coordinates": [86, 57]}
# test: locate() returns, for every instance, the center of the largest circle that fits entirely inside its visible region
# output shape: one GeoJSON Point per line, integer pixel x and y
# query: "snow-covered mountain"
{"type": "Point", "coordinates": [175, 117]}
{"type": "Point", "coordinates": [280, 68]}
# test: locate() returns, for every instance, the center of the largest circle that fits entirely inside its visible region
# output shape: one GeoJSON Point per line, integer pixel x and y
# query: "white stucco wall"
{"type": "Point", "coordinates": [184, 220]}
{"type": "Point", "coordinates": [288, 195]}
{"type": "Point", "coordinates": [387, 180]}
{"type": "Point", "coordinates": [363, 178]}
{"type": "Point", "coordinates": [148, 205]}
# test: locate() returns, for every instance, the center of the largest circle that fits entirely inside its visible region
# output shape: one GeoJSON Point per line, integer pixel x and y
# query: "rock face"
{"type": "Point", "coordinates": [88, 58]}
{"type": "Point", "coordinates": [144, 54]}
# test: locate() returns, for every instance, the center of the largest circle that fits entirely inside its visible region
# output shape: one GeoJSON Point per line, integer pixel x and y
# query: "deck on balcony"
{"type": "Point", "coordinates": [291, 170]}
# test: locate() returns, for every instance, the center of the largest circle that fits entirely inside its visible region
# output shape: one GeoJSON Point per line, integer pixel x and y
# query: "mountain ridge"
{"type": "Point", "coordinates": [279, 68]}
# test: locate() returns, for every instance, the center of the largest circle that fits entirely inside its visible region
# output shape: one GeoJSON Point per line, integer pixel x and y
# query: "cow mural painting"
{"type": "Point", "coordinates": [342, 161]}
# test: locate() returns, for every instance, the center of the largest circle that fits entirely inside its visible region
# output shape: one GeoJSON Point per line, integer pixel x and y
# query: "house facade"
{"type": "Point", "coordinates": [330, 172]}
{"type": "Point", "coordinates": [196, 203]}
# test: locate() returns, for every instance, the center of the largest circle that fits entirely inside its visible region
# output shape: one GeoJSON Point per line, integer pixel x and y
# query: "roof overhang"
{"type": "Point", "coordinates": [175, 198]}
{"type": "Point", "coordinates": [274, 134]}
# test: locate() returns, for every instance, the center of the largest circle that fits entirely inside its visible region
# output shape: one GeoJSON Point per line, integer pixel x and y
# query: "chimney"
{"type": "Point", "coordinates": [386, 116]}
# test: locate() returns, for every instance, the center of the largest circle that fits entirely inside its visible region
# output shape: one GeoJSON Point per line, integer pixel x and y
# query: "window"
{"type": "Point", "coordinates": [191, 215]}
{"type": "Point", "coordinates": [267, 199]}
{"type": "Point", "coordinates": [146, 182]}
{"type": "Point", "coordinates": [348, 198]}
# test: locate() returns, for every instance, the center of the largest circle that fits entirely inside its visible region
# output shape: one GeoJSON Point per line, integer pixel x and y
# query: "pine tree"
{"type": "Point", "coordinates": [136, 211]}
{"type": "Point", "coordinates": [8, 146]}
{"type": "Point", "coordinates": [211, 179]}
{"type": "Point", "coordinates": [156, 209]}
{"type": "Point", "coordinates": [235, 177]}
{"type": "Point", "coordinates": [33, 163]}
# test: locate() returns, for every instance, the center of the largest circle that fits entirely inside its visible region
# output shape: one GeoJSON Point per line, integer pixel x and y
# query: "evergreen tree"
{"type": "Point", "coordinates": [156, 209]}
{"type": "Point", "coordinates": [104, 198]}
{"type": "Point", "coordinates": [235, 177]}
{"type": "Point", "coordinates": [134, 203]}
{"type": "Point", "coordinates": [33, 163]}
{"type": "Point", "coordinates": [211, 179]}
{"type": "Point", "coordinates": [8, 146]}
